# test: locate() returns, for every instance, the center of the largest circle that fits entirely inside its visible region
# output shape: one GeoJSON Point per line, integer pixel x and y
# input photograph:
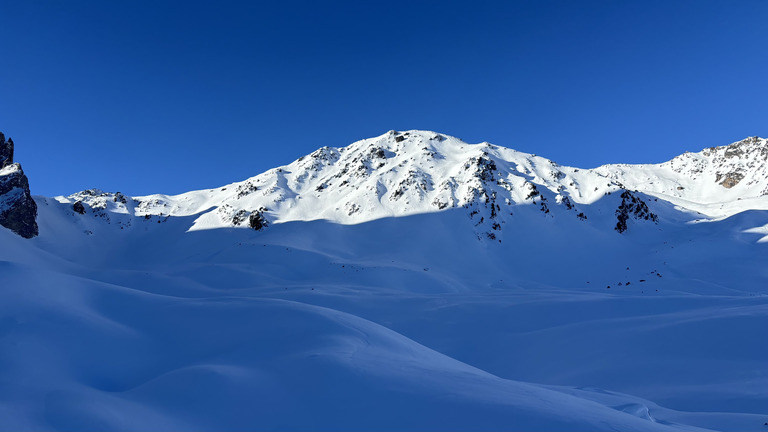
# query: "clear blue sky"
{"type": "Point", "coordinates": [161, 96]}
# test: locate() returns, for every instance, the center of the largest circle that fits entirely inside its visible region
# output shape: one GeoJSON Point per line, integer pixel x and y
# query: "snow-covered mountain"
{"type": "Point", "coordinates": [408, 281]}
{"type": "Point", "coordinates": [717, 181]}
{"type": "Point", "coordinates": [414, 172]}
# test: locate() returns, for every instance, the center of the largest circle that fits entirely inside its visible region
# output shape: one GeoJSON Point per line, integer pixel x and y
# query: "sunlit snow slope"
{"type": "Point", "coordinates": [406, 282]}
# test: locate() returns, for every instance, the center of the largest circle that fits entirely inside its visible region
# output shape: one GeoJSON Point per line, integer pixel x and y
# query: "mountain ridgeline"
{"type": "Point", "coordinates": [415, 172]}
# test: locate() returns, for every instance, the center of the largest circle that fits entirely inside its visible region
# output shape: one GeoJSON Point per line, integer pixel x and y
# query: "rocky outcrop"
{"type": "Point", "coordinates": [257, 220]}
{"type": "Point", "coordinates": [743, 160]}
{"type": "Point", "coordinates": [729, 180]}
{"type": "Point", "coordinates": [18, 211]}
{"type": "Point", "coordinates": [254, 218]}
{"type": "Point", "coordinates": [78, 207]}
{"type": "Point", "coordinates": [632, 207]}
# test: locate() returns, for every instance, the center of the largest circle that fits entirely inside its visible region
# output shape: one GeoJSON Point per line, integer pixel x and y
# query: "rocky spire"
{"type": "Point", "coordinates": [6, 151]}
{"type": "Point", "coordinates": [18, 210]}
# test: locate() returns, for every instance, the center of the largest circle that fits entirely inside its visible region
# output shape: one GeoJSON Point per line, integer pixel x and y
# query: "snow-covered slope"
{"type": "Point", "coordinates": [405, 282]}
{"type": "Point", "coordinates": [718, 181]}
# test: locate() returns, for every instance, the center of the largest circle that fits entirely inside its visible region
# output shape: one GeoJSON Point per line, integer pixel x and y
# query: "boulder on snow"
{"type": "Point", "coordinates": [78, 207]}
{"type": "Point", "coordinates": [257, 220]}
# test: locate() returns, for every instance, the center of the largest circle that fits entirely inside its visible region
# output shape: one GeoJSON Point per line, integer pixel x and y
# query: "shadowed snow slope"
{"type": "Point", "coordinates": [509, 293]}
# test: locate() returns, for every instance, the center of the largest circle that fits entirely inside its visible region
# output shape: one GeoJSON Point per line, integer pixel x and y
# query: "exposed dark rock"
{"type": "Point", "coordinates": [557, 174]}
{"type": "Point", "coordinates": [352, 208]}
{"type": "Point", "coordinates": [533, 191]}
{"type": "Point", "coordinates": [742, 148]}
{"type": "Point", "coordinates": [439, 204]}
{"type": "Point", "coordinates": [416, 180]}
{"type": "Point", "coordinates": [78, 207]}
{"type": "Point", "coordinates": [239, 217]}
{"type": "Point", "coordinates": [257, 220]}
{"type": "Point", "coordinates": [483, 167]}
{"type": "Point", "coordinates": [245, 189]}
{"type": "Point", "coordinates": [632, 206]}
{"type": "Point", "coordinates": [18, 211]}
{"type": "Point", "coordinates": [6, 151]}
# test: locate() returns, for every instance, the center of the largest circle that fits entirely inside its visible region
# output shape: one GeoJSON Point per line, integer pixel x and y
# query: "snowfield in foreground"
{"type": "Point", "coordinates": [406, 282]}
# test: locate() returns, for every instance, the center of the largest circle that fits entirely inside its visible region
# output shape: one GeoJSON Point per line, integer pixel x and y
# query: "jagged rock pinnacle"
{"type": "Point", "coordinates": [6, 151]}
{"type": "Point", "coordinates": [18, 211]}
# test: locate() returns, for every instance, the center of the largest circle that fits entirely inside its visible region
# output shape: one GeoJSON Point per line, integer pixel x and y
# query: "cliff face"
{"type": "Point", "coordinates": [18, 211]}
